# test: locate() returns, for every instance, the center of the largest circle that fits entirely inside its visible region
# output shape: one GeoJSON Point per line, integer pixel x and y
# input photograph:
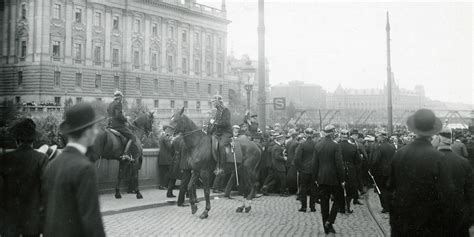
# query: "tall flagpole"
{"type": "Point", "coordinates": [261, 66]}
{"type": "Point", "coordinates": [389, 81]}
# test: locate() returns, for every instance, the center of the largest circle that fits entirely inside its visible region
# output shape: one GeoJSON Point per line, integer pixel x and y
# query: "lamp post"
{"type": "Point", "coordinates": [249, 71]}
{"type": "Point", "coordinates": [248, 87]}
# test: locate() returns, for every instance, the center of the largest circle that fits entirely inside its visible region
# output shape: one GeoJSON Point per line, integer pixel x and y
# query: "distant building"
{"type": "Point", "coordinates": [302, 95]}
{"type": "Point", "coordinates": [163, 53]}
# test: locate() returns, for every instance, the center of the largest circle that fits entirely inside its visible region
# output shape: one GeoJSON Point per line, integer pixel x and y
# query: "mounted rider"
{"type": "Point", "coordinates": [118, 122]}
{"type": "Point", "coordinates": [251, 121]}
{"type": "Point", "coordinates": [221, 126]}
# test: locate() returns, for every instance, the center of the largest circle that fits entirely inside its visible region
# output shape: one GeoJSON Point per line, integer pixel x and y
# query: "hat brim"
{"type": "Point", "coordinates": [66, 129]}
{"type": "Point", "coordinates": [438, 125]}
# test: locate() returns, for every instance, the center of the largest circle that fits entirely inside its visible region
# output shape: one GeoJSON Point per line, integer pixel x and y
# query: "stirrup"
{"type": "Point", "coordinates": [126, 158]}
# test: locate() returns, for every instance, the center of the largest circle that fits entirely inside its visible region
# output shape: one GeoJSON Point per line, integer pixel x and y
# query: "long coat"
{"type": "Point", "coordinates": [304, 157]}
{"type": "Point", "coordinates": [21, 200]}
{"type": "Point", "coordinates": [278, 162]}
{"type": "Point", "coordinates": [165, 155]}
{"type": "Point", "coordinates": [382, 156]}
{"type": "Point", "coordinates": [291, 149]}
{"type": "Point", "coordinates": [351, 159]}
{"type": "Point", "coordinates": [327, 165]}
{"type": "Point", "coordinates": [222, 122]}
{"type": "Point", "coordinates": [72, 202]}
{"type": "Point", "coordinates": [114, 110]}
{"type": "Point", "coordinates": [421, 186]}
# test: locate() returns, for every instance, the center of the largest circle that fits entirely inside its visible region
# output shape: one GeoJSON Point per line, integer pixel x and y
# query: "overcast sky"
{"type": "Point", "coordinates": [332, 43]}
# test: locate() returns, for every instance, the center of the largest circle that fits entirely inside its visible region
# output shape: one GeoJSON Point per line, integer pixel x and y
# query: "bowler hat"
{"type": "Point", "coordinates": [424, 122]}
{"type": "Point", "coordinates": [24, 129]}
{"type": "Point", "coordinates": [77, 117]}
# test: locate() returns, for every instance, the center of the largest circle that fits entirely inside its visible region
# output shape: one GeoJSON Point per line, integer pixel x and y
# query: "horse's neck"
{"type": "Point", "coordinates": [192, 137]}
{"type": "Point", "coordinates": [137, 131]}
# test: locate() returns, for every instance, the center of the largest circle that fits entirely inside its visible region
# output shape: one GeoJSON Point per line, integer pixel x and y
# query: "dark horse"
{"type": "Point", "coordinates": [111, 146]}
{"type": "Point", "coordinates": [199, 145]}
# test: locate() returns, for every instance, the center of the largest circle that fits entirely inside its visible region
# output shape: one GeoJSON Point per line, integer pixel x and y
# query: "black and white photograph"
{"type": "Point", "coordinates": [236, 118]}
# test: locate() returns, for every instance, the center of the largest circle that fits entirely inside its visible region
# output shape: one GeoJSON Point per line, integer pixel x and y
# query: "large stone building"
{"type": "Point", "coordinates": [302, 95]}
{"type": "Point", "coordinates": [162, 53]}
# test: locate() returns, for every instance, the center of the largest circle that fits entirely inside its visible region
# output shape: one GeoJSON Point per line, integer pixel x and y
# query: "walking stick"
{"type": "Point", "coordinates": [235, 164]}
{"type": "Point", "coordinates": [375, 183]}
{"type": "Point", "coordinates": [298, 182]}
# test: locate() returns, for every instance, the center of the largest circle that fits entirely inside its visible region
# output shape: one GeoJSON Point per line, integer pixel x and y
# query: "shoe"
{"type": "Point", "coordinates": [217, 191]}
{"type": "Point", "coordinates": [161, 187]}
{"type": "Point", "coordinates": [265, 190]}
{"type": "Point", "coordinates": [326, 227]}
{"type": "Point", "coordinates": [313, 209]}
{"type": "Point", "coordinates": [228, 197]}
{"type": "Point", "coordinates": [356, 202]}
{"type": "Point", "coordinates": [342, 211]}
{"type": "Point", "coordinates": [183, 205]}
{"type": "Point", "coordinates": [349, 211]}
{"type": "Point", "coordinates": [170, 196]}
{"type": "Point", "coordinates": [302, 209]}
{"type": "Point", "coordinates": [284, 195]}
{"type": "Point", "coordinates": [385, 211]}
{"type": "Point", "coordinates": [297, 197]}
{"type": "Point", "coordinates": [331, 229]}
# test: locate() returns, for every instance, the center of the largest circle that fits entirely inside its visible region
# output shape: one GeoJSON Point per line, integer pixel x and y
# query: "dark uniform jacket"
{"type": "Point", "coordinates": [383, 155]}
{"type": "Point", "coordinates": [72, 202]}
{"type": "Point", "coordinates": [421, 186]}
{"type": "Point", "coordinates": [328, 164]}
{"type": "Point", "coordinates": [253, 129]}
{"type": "Point", "coordinates": [222, 122]}
{"type": "Point", "coordinates": [291, 149]}
{"type": "Point", "coordinates": [267, 154]}
{"type": "Point", "coordinates": [304, 156]}
{"type": "Point", "coordinates": [459, 148]}
{"type": "Point", "coordinates": [350, 156]}
{"type": "Point", "coordinates": [278, 162]}
{"type": "Point", "coordinates": [116, 114]}
{"type": "Point", "coordinates": [20, 197]}
{"type": "Point", "coordinates": [165, 154]}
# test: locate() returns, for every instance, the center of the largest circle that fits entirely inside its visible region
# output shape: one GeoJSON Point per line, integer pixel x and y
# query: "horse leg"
{"type": "Point", "coordinates": [192, 196]}
{"type": "Point", "coordinates": [205, 176]}
{"type": "Point", "coordinates": [135, 180]}
{"type": "Point", "coordinates": [119, 179]}
{"type": "Point", "coordinates": [250, 182]}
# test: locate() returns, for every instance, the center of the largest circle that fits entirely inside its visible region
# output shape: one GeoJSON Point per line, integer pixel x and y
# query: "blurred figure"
{"type": "Point", "coordinates": [291, 173]}
{"type": "Point", "coordinates": [72, 201]}
{"type": "Point", "coordinates": [459, 148]}
{"type": "Point", "coordinates": [350, 159]}
{"type": "Point", "coordinates": [165, 161]}
{"type": "Point", "coordinates": [21, 170]}
{"type": "Point", "coordinates": [304, 164]}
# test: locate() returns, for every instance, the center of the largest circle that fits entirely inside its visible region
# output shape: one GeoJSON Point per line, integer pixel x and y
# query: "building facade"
{"type": "Point", "coordinates": [162, 53]}
{"type": "Point", "coordinates": [302, 95]}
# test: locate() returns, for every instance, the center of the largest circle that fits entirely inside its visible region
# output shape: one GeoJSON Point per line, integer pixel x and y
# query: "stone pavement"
{"type": "Point", "coordinates": [270, 216]}
{"type": "Point", "coordinates": [381, 218]}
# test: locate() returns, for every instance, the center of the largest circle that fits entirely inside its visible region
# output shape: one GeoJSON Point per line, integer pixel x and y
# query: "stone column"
{"type": "Point", "coordinates": [214, 54]}
{"type": "Point", "coordinates": [107, 28]}
{"type": "Point", "coordinates": [88, 17]}
{"type": "Point", "coordinates": [44, 31]}
{"type": "Point", "coordinates": [164, 38]}
{"type": "Point", "coordinates": [31, 33]}
{"type": "Point", "coordinates": [191, 51]}
{"type": "Point", "coordinates": [12, 34]}
{"type": "Point", "coordinates": [5, 22]}
{"type": "Point", "coordinates": [68, 44]}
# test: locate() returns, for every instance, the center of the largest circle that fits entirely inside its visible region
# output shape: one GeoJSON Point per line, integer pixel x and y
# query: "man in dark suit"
{"type": "Point", "coordinates": [72, 202]}
{"type": "Point", "coordinates": [304, 165]}
{"type": "Point", "coordinates": [329, 172]}
{"type": "Point", "coordinates": [278, 170]}
{"type": "Point", "coordinates": [383, 155]}
{"type": "Point", "coordinates": [21, 170]}
{"type": "Point", "coordinates": [165, 162]}
{"type": "Point", "coordinates": [463, 180]}
{"type": "Point", "coordinates": [351, 160]}
{"type": "Point", "coordinates": [291, 179]}
{"type": "Point", "coordinates": [420, 182]}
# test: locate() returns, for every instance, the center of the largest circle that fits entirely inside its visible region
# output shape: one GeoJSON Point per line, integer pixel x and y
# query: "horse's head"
{"type": "Point", "coordinates": [145, 122]}
{"type": "Point", "coordinates": [180, 122]}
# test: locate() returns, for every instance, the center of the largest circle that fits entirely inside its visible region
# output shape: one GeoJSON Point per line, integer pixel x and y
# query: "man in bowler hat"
{"type": "Point", "coordinates": [420, 183]}
{"type": "Point", "coordinates": [20, 196]}
{"type": "Point", "coordinates": [72, 202]}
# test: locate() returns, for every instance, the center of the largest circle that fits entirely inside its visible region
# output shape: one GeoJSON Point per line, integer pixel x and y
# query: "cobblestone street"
{"type": "Point", "coordinates": [270, 216]}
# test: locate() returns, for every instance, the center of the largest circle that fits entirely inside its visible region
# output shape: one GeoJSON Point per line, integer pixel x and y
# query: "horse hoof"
{"type": "Point", "coordinates": [118, 196]}
{"type": "Point", "coordinates": [239, 209]}
{"type": "Point", "coordinates": [247, 209]}
{"type": "Point", "coordinates": [194, 209]}
{"type": "Point", "coordinates": [139, 195]}
{"type": "Point", "coordinates": [204, 215]}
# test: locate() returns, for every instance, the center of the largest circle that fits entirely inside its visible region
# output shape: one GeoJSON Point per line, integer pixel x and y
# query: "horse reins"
{"type": "Point", "coordinates": [191, 132]}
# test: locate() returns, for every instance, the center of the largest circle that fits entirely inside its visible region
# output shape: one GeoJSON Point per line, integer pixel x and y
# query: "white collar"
{"type": "Point", "coordinates": [81, 148]}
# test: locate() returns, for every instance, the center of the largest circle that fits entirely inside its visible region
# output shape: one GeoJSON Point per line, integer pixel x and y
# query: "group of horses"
{"type": "Point", "coordinates": [198, 145]}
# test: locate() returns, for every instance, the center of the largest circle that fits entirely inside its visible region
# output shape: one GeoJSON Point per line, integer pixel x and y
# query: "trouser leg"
{"type": "Point", "coordinates": [325, 196]}
{"type": "Point", "coordinates": [186, 176]}
{"type": "Point", "coordinates": [338, 194]}
{"type": "Point", "coordinates": [304, 189]}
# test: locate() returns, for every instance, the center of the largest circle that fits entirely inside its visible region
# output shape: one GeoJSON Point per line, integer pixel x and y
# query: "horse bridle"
{"type": "Point", "coordinates": [191, 132]}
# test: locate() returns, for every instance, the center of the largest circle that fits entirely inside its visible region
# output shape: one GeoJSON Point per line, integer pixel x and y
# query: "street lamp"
{"type": "Point", "coordinates": [249, 72]}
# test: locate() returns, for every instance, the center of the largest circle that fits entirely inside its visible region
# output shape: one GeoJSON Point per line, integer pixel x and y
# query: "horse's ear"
{"type": "Point", "coordinates": [181, 111]}
{"type": "Point", "coordinates": [151, 113]}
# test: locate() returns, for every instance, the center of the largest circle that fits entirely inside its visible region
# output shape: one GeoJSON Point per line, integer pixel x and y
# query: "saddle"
{"type": "Point", "coordinates": [121, 140]}
{"type": "Point", "coordinates": [230, 155]}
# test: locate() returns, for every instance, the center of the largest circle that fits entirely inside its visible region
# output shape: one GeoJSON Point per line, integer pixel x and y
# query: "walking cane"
{"type": "Point", "coordinates": [298, 182]}
{"type": "Point", "coordinates": [235, 164]}
{"type": "Point", "coordinates": [375, 183]}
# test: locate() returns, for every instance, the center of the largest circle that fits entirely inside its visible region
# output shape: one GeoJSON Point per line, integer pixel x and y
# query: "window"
{"type": "Point", "coordinates": [220, 89]}
{"type": "Point", "coordinates": [208, 68]}
{"type": "Point", "coordinates": [98, 81]}
{"type": "Point", "coordinates": [78, 52]}
{"type": "Point", "coordinates": [23, 49]}
{"type": "Point", "coordinates": [57, 101]}
{"type": "Point", "coordinates": [170, 63]}
{"type": "Point", "coordinates": [97, 55]}
{"type": "Point", "coordinates": [197, 39]}
{"type": "Point", "coordinates": [138, 82]}
{"type": "Point", "coordinates": [185, 87]}
{"type": "Point", "coordinates": [56, 49]}
{"type": "Point", "coordinates": [172, 86]}
{"type": "Point", "coordinates": [57, 79]}
{"type": "Point", "coordinates": [171, 32]}
{"type": "Point", "coordinates": [156, 103]}
{"type": "Point", "coordinates": [184, 36]}
{"type": "Point", "coordinates": [115, 57]}
{"type": "Point", "coordinates": [155, 85]}
{"type": "Point", "coordinates": [172, 104]}
{"type": "Point", "coordinates": [57, 11]}
{"type": "Point", "coordinates": [197, 87]}
{"type": "Point", "coordinates": [116, 22]}
{"type": "Point", "coordinates": [78, 79]}
{"type": "Point", "coordinates": [185, 104]}
{"type": "Point", "coordinates": [154, 29]}
{"type": "Point", "coordinates": [98, 19]}
{"type": "Point", "coordinates": [209, 89]}
{"type": "Point", "coordinates": [78, 99]}
{"type": "Point", "coordinates": [138, 26]}
{"type": "Point", "coordinates": [208, 40]}
{"type": "Point", "coordinates": [185, 65]}
{"type": "Point", "coordinates": [78, 15]}
{"type": "Point", "coordinates": [197, 67]}
{"type": "Point", "coordinates": [23, 11]}
{"type": "Point", "coordinates": [219, 69]}
{"type": "Point", "coordinates": [154, 65]}
{"type": "Point", "coordinates": [117, 82]}
{"type": "Point", "coordinates": [17, 99]}
{"type": "Point", "coordinates": [136, 59]}
{"type": "Point", "coordinates": [198, 105]}
{"type": "Point", "coordinates": [20, 78]}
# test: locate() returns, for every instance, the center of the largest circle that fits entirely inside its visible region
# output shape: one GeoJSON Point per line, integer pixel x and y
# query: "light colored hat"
{"type": "Point", "coordinates": [329, 128]}
{"type": "Point", "coordinates": [236, 127]}
{"type": "Point", "coordinates": [118, 93]}
{"type": "Point", "coordinates": [369, 138]}
{"type": "Point", "coordinates": [308, 131]}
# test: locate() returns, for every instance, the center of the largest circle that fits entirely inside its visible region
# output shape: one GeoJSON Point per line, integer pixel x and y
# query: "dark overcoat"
{"type": "Point", "coordinates": [114, 110]}
{"type": "Point", "coordinates": [304, 157]}
{"type": "Point", "coordinates": [421, 191]}
{"type": "Point", "coordinates": [328, 166]}
{"type": "Point", "coordinates": [278, 162]}
{"type": "Point", "coordinates": [291, 149]}
{"type": "Point", "coordinates": [382, 159]}
{"type": "Point", "coordinates": [21, 200]}
{"type": "Point", "coordinates": [165, 154]}
{"type": "Point", "coordinates": [350, 156]}
{"type": "Point", "coordinates": [72, 202]}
